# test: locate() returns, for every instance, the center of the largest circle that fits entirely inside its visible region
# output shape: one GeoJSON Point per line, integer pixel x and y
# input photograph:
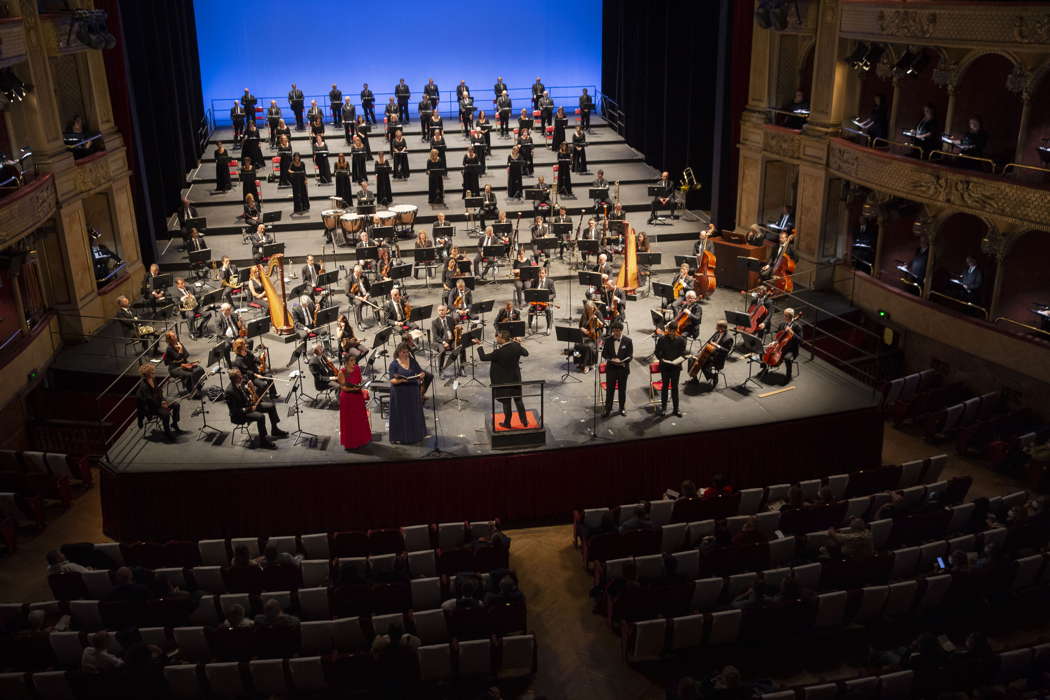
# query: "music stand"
{"type": "Point", "coordinates": [365, 209]}
{"type": "Point", "coordinates": [381, 288]}
{"type": "Point", "coordinates": [270, 217]}
{"type": "Point", "coordinates": [469, 203]}
{"type": "Point", "coordinates": [571, 336]}
{"type": "Point", "coordinates": [401, 271]}
{"type": "Point", "coordinates": [587, 245]}
{"type": "Point", "coordinates": [528, 273]}
{"type": "Point", "coordinates": [516, 329]}
{"type": "Point", "coordinates": [537, 296]}
{"type": "Point", "coordinates": [383, 233]}
{"type": "Point", "coordinates": [737, 318]}
{"type": "Point", "coordinates": [561, 228]}
{"type": "Point", "coordinates": [421, 313]}
{"type": "Point", "coordinates": [503, 229]}
{"type": "Point", "coordinates": [749, 346]}
{"type": "Point", "coordinates": [446, 231]}
{"type": "Point", "coordinates": [589, 279]}
{"type": "Point", "coordinates": [210, 298]}
{"type": "Point", "coordinates": [649, 259]}
{"type": "Point", "coordinates": [617, 226]}
{"type": "Point", "coordinates": [366, 253]}
{"type": "Point", "coordinates": [425, 256]}
{"type": "Point", "coordinates": [664, 290]}
{"type": "Point", "coordinates": [199, 259]}
{"type": "Point", "coordinates": [327, 278]}
{"type": "Point", "coordinates": [271, 249]}
{"type": "Point", "coordinates": [464, 266]}
{"type": "Point", "coordinates": [598, 194]}
{"type": "Point", "coordinates": [545, 244]}
{"type": "Point", "coordinates": [656, 191]}
{"type": "Point", "coordinates": [257, 327]}
{"type": "Point", "coordinates": [689, 260]}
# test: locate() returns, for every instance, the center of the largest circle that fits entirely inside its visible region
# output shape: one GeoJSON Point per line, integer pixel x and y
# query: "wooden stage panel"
{"type": "Point", "coordinates": [732, 273]}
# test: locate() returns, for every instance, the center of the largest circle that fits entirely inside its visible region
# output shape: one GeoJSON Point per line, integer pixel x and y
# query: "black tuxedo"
{"type": "Point", "coordinates": [403, 94]}
{"type": "Point", "coordinates": [790, 350]}
{"type": "Point", "coordinates": [394, 313]}
{"type": "Point", "coordinates": [668, 348]}
{"type": "Point", "coordinates": [442, 331]}
{"type": "Point", "coordinates": [239, 404]}
{"type": "Point", "coordinates": [616, 372]}
{"type": "Point", "coordinates": [548, 313]}
{"type": "Point", "coordinates": [335, 102]}
{"type": "Point", "coordinates": [453, 294]}
{"type": "Point", "coordinates": [666, 192]}
{"type": "Point", "coordinates": [310, 273]}
{"type": "Point", "coordinates": [296, 100]}
{"type": "Point", "coordinates": [717, 361]}
{"type": "Point", "coordinates": [368, 106]}
{"type": "Point", "coordinates": [505, 377]}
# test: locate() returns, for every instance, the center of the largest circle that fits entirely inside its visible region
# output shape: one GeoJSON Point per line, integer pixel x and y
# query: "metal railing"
{"type": "Point", "coordinates": [1026, 174]}
{"type": "Point", "coordinates": [898, 148]}
{"type": "Point", "coordinates": [960, 302]}
{"type": "Point", "coordinates": [448, 106]}
{"type": "Point", "coordinates": [613, 115]}
{"type": "Point", "coordinates": [960, 160]}
{"type": "Point", "coordinates": [787, 118]}
{"type": "Point", "coordinates": [1027, 326]}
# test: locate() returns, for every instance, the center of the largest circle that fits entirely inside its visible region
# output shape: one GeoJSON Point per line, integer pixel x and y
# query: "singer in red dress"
{"type": "Point", "coordinates": [354, 428]}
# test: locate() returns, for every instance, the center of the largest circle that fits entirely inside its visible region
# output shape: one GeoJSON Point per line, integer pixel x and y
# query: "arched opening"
{"type": "Point", "coordinates": [901, 245]}
{"type": "Point", "coordinates": [1025, 282]}
{"type": "Point", "coordinates": [982, 92]}
{"type": "Point", "coordinates": [914, 92]}
{"type": "Point", "coordinates": [958, 240]}
{"type": "Point", "coordinates": [1038, 122]}
{"type": "Point", "coordinates": [805, 74]}
{"type": "Point", "coordinates": [779, 187]}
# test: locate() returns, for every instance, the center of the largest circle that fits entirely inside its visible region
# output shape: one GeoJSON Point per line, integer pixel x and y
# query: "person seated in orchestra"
{"type": "Point", "coordinates": [246, 361]}
{"type": "Point", "coordinates": [507, 313]}
{"type": "Point", "coordinates": [134, 327]}
{"type": "Point", "coordinates": [971, 280]}
{"type": "Point", "coordinates": [537, 231]}
{"type": "Point", "coordinates": [256, 289]}
{"type": "Point", "coordinates": [602, 267]}
{"type": "Point", "coordinates": [784, 247]}
{"type": "Point", "coordinates": [242, 411]}
{"type": "Point", "coordinates": [591, 324]}
{"type": "Point", "coordinates": [443, 332]}
{"type": "Point", "coordinates": [177, 360]}
{"type": "Point", "coordinates": [358, 292]}
{"type": "Point", "coordinates": [488, 238]}
{"type": "Point", "coordinates": [723, 342]}
{"type": "Point", "coordinates": [196, 241]}
{"type": "Point", "coordinates": [347, 340]}
{"type": "Point", "coordinates": [791, 342]}
{"type": "Point", "coordinates": [703, 240]}
{"type": "Point", "coordinates": [319, 367]}
{"type": "Point", "coordinates": [592, 232]}
{"type": "Point", "coordinates": [664, 198]}
{"type": "Point", "coordinates": [443, 238]}
{"type": "Point", "coordinates": [799, 108]}
{"type": "Point", "coordinates": [613, 300]}
{"type": "Point", "coordinates": [394, 310]}
{"type": "Point", "coordinates": [618, 351]}
{"type": "Point", "coordinates": [927, 132]}
{"type": "Point", "coordinates": [681, 282]}
{"type": "Point", "coordinates": [542, 205]}
{"type": "Point", "coordinates": [304, 311]}
{"type": "Point", "coordinates": [151, 402]}
{"type": "Point", "coordinates": [521, 259]}
{"type": "Point", "coordinates": [451, 270]}
{"type": "Point", "coordinates": [786, 221]}
{"type": "Point", "coordinates": [187, 305]}
{"type": "Point", "coordinates": [689, 308]}
{"type": "Point", "coordinates": [542, 281]}
{"type": "Point", "coordinates": [459, 300]}
{"type": "Point", "coordinates": [601, 198]}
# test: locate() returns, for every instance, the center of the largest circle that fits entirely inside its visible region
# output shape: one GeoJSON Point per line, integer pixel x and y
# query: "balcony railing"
{"type": "Point", "coordinates": [12, 41]}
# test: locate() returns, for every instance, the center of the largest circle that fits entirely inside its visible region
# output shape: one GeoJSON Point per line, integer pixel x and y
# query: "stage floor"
{"type": "Point", "coordinates": [817, 389]}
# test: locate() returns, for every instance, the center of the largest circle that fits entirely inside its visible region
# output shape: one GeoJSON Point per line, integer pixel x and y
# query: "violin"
{"type": "Point", "coordinates": [774, 352]}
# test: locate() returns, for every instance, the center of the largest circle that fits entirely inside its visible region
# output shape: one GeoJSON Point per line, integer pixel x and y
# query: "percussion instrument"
{"type": "Point", "coordinates": [352, 223]}
{"type": "Point", "coordinates": [330, 217]}
{"type": "Point", "coordinates": [405, 215]}
{"type": "Point", "coordinates": [386, 217]}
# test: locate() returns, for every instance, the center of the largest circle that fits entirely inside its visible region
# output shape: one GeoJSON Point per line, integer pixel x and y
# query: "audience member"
{"type": "Point", "coordinates": [722, 536]}
{"type": "Point", "coordinates": [639, 520]}
{"type": "Point", "coordinates": [275, 618]}
{"type": "Point", "coordinates": [97, 658]}
{"type": "Point", "coordinates": [395, 639]}
{"type": "Point", "coordinates": [892, 508]}
{"type": "Point", "coordinates": [242, 557]}
{"type": "Point", "coordinates": [271, 557]}
{"type": "Point", "coordinates": [855, 542]}
{"type": "Point", "coordinates": [749, 534]}
{"type": "Point", "coordinates": [58, 564]}
{"type": "Point", "coordinates": [794, 500]}
{"type": "Point", "coordinates": [688, 491]}
{"type": "Point", "coordinates": [467, 598]}
{"type": "Point", "coordinates": [719, 487]}
{"type": "Point", "coordinates": [236, 618]}
{"type": "Point", "coordinates": [125, 588]}
{"type": "Point", "coordinates": [508, 593]}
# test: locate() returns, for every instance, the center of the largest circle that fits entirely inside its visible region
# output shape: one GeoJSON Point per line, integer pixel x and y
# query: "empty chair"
{"type": "Point", "coordinates": [901, 598]}
{"type": "Point", "coordinates": [688, 563]}
{"type": "Point", "coordinates": [706, 592]}
{"type": "Point", "coordinates": [810, 489]}
{"type": "Point", "coordinates": [209, 578]}
{"type": "Point", "coordinates": [936, 587]}
{"type": "Point", "coordinates": [225, 678]}
{"type": "Point", "coordinates": [995, 536]}
{"type": "Point", "coordinates": [647, 641]}
{"type": "Point", "coordinates": [961, 515]}
{"type": "Point", "coordinates": [317, 636]}
{"type": "Point", "coordinates": [285, 544]}
{"type": "Point", "coordinates": [175, 575]}
{"type": "Point", "coordinates": [866, 688]}
{"type": "Point", "coordinates": [934, 468]}
{"type": "Point", "coordinates": [86, 614]}
{"type": "Point", "coordinates": [381, 624]}
{"type": "Point", "coordinates": [252, 543]}
{"type": "Point", "coordinates": [777, 492]}
{"type": "Point", "coordinates": [750, 501]}
{"type": "Point", "coordinates": [937, 488]}
{"type": "Point", "coordinates": [475, 658]}
{"type": "Point", "coordinates": [872, 601]}
{"type": "Point", "coordinates": [517, 656]}
{"type": "Point", "coordinates": [735, 523]}
{"type": "Point", "coordinates": [451, 535]}
{"type": "Point", "coordinates": [307, 673]}
{"type": "Point", "coordinates": [660, 511]}
{"type": "Point", "coordinates": [53, 685]}
{"type": "Point", "coordinates": [808, 576]}
{"type": "Point", "coordinates": [699, 529]}
{"type": "Point", "coordinates": [857, 507]}
{"type": "Point", "coordinates": [593, 517]}
{"type": "Point", "coordinates": [929, 553]}
{"type": "Point", "coordinates": [892, 392]}
{"type": "Point", "coordinates": [768, 522]}
{"type": "Point", "coordinates": [614, 568]}
{"type": "Point", "coordinates": [672, 537]}
{"type": "Point", "coordinates": [831, 609]}
{"type": "Point", "coordinates": [481, 529]}
{"type": "Point", "coordinates": [68, 648]}
{"type": "Point", "coordinates": [838, 483]}
{"type": "Point", "coordinates": [774, 577]}
{"type": "Point", "coordinates": [824, 691]}
{"type": "Point", "coordinates": [781, 551]}
{"type": "Point", "coordinates": [348, 634]}
{"type": "Point", "coordinates": [431, 627]}
{"type": "Point", "coordinates": [426, 593]}
{"type": "Point", "coordinates": [894, 686]}
{"type": "Point", "coordinates": [966, 543]}
{"type": "Point", "coordinates": [435, 662]}
{"type": "Point", "coordinates": [98, 584]}
{"type": "Point", "coordinates": [738, 583]}
{"type": "Point", "coordinates": [417, 538]}
{"type": "Point", "coordinates": [912, 497]}
{"type": "Point", "coordinates": [905, 560]}
{"type": "Point", "coordinates": [1025, 576]}
{"type": "Point", "coordinates": [382, 563]}
{"type": "Point", "coordinates": [422, 563]}
{"type": "Point", "coordinates": [725, 627]}
{"type": "Point", "coordinates": [1013, 664]}
{"type": "Point", "coordinates": [316, 546]}
{"type": "Point", "coordinates": [157, 636]}
{"type": "Point", "coordinates": [687, 632]}
{"type": "Point", "coordinates": [213, 552]}
{"type": "Point", "coordinates": [778, 695]}
{"type": "Point", "coordinates": [316, 572]}
{"type": "Point", "coordinates": [112, 551]}
{"type": "Point", "coordinates": [313, 603]}
{"type": "Point", "coordinates": [268, 676]}
{"type": "Point", "coordinates": [911, 472]}
{"type": "Point", "coordinates": [192, 643]}
{"type": "Point", "coordinates": [651, 566]}
{"type": "Point", "coordinates": [206, 612]}
{"type": "Point", "coordinates": [1017, 498]}
{"type": "Point", "coordinates": [183, 680]}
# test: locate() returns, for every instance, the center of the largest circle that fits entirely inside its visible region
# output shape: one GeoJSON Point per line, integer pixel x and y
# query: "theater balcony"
{"type": "Point", "coordinates": [12, 41]}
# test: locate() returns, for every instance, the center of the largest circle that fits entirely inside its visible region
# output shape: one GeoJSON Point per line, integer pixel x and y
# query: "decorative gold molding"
{"type": "Point", "coordinates": [907, 23]}
{"type": "Point", "coordinates": [938, 186]}
{"type": "Point", "coordinates": [58, 39]}
{"type": "Point", "coordinates": [1032, 30]}
{"type": "Point", "coordinates": [12, 42]}
{"type": "Point", "coordinates": [27, 211]}
{"type": "Point", "coordinates": [781, 143]}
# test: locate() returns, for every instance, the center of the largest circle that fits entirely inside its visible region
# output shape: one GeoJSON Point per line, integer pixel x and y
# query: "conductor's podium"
{"type": "Point", "coordinates": [531, 433]}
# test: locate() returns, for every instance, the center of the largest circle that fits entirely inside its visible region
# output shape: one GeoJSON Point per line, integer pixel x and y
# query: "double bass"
{"type": "Point", "coordinates": [773, 354]}
{"type": "Point", "coordinates": [704, 281]}
{"type": "Point", "coordinates": [780, 276]}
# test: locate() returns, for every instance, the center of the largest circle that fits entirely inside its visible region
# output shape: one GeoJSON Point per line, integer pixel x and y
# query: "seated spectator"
{"type": "Point", "coordinates": [958, 562]}
{"type": "Point", "coordinates": [825, 496]}
{"type": "Point", "coordinates": [349, 573]}
{"type": "Point", "coordinates": [236, 619]}
{"type": "Point", "coordinates": [931, 503]}
{"type": "Point", "coordinates": [639, 520]}
{"type": "Point", "coordinates": [688, 491]}
{"type": "Point", "coordinates": [893, 508]}
{"type": "Point", "coordinates": [164, 589]}
{"type": "Point", "coordinates": [271, 557]}
{"type": "Point", "coordinates": [395, 640]}
{"type": "Point", "coordinates": [671, 573]}
{"type": "Point", "coordinates": [36, 629]}
{"type": "Point", "coordinates": [719, 487]}
{"type": "Point", "coordinates": [58, 564]}
{"type": "Point", "coordinates": [794, 500]}
{"type": "Point", "coordinates": [976, 660]}
{"type": "Point", "coordinates": [125, 588]}
{"type": "Point", "coordinates": [508, 593]}
{"type": "Point", "coordinates": [707, 545]}
{"type": "Point", "coordinates": [274, 618]}
{"type": "Point", "coordinates": [722, 536]}
{"type": "Point", "coordinates": [242, 558]}
{"type": "Point", "coordinates": [755, 596]}
{"type": "Point", "coordinates": [855, 542]}
{"type": "Point", "coordinates": [96, 657]}
{"type": "Point", "coordinates": [627, 580]}
{"type": "Point", "coordinates": [749, 534]}
{"type": "Point", "coordinates": [727, 685]}
{"type": "Point", "coordinates": [466, 599]}
{"type": "Point", "coordinates": [790, 592]}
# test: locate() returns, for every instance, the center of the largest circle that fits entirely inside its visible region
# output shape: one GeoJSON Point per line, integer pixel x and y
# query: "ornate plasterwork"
{"type": "Point", "coordinates": [92, 175]}
{"type": "Point", "coordinates": [1032, 29]}
{"type": "Point", "coordinates": [964, 24]}
{"type": "Point", "coordinates": [907, 23]}
{"type": "Point", "coordinates": [946, 74]}
{"type": "Point", "coordinates": [783, 144]}
{"type": "Point", "coordinates": [939, 186]}
{"type": "Point", "coordinates": [27, 212]}
{"type": "Point", "coordinates": [1020, 81]}
{"type": "Point", "coordinates": [996, 243]}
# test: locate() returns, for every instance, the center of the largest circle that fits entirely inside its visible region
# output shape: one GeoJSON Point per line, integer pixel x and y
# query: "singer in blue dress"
{"type": "Point", "coordinates": [406, 401]}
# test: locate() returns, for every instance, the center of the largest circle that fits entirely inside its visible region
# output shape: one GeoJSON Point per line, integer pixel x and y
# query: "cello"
{"type": "Point", "coordinates": [773, 354]}
{"type": "Point", "coordinates": [704, 281]}
{"type": "Point", "coordinates": [757, 312]}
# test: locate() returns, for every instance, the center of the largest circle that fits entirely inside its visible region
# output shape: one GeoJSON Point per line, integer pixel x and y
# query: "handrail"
{"type": "Point", "coordinates": [890, 145]}
{"type": "Point", "coordinates": [788, 114]}
{"type": "Point", "coordinates": [1023, 325]}
{"type": "Point", "coordinates": [1021, 167]}
{"type": "Point", "coordinates": [984, 311]}
{"type": "Point", "coordinates": [947, 155]}
{"type": "Point", "coordinates": [611, 112]}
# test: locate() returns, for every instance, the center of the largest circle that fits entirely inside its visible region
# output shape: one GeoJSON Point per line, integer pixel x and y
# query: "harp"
{"type": "Point", "coordinates": [627, 277]}
{"type": "Point", "coordinates": [279, 315]}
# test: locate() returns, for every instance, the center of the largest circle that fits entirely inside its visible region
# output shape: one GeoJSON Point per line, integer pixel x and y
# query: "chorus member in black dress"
{"type": "Point", "coordinates": [432, 92]}
{"type": "Point", "coordinates": [249, 102]}
{"type": "Point", "coordinates": [151, 401]}
{"type": "Point", "coordinates": [250, 148]}
{"type": "Point", "coordinates": [358, 167]}
{"type": "Point", "coordinates": [524, 120]}
{"type": "Point", "coordinates": [504, 105]}
{"type": "Point", "coordinates": [368, 104]}
{"type": "Point", "coordinates": [436, 182]}
{"type": "Point", "coordinates": [362, 129]}
{"type": "Point", "coordinates": [284, 152]}
{"type": "Point", "coordinates": [477, 142]}
{"type": "Point", "coordinates": [177, 360]}
{"type": "Point", "coordinates": [435, 124]}
{"type": "Point", "coordinates": [564, 171]}
{"type": "Point", "coordinates": [384, 193]}
{"type": "Point", "coordinates": [437, 142]}
{"type": "Point", "coordinates": [343, 189]}
{"type": "Point", "coordinates": [297, 175]}
{"type": "Point", "coordinates": [561, 122]}
{"type": "Point", "coordinates": [248, 186]}
{"type": "Point", "coordinates": [617, 352]}
{"type": "Point", "coordinates": [348, 117]}
{"type": "Point", "coordinates": [470, 175]}
{"type": "Point", "coordinates": [591, 324]}
{"type": "Point", "coordinates": [223, 183]}
{"type": "Point", "coordinates": [237, 119]}
{"type": "Point", "coordinates": [283, 130]}
{"type": "Point", "coordinates": [484, 129]}
{"type": "Point", "coordinates": [297, 101]}
{"type": "Point", "coordinates": [252, 211]}
{"type": "Point", "coordinates": [316, 125]}
{"type": "Point", "coordinates": [670, 351]}
{"type": "Point", "coordinates": [586, 107]}
{"type": "Point", "coordinates": [399, 150]}
{"type": "Point", "coordinates": [273, 118]}
{"type": "Point", "coordinates": [515, 164]}
{"type": "Point", "coordinates": [579, 150]}
{"type": "Point", "coordinates": [466, 113]}
{"type": "Point", "coordinates": [324, 171]}
{"type": "Point", "coordinates": [525, 145]}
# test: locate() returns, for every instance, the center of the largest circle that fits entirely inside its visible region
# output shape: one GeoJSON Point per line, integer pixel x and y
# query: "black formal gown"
{"type": "Point", "coordinates": [358, 168]}
{"type": "Point", "coordinates": [285, 152]}
{"type": "Point", "coordinates": [324, 171]}
{"type": "Point", "coordinates": [250, 148]}
{"type": "Point", "coordinates": [470, 179]}
{"type": "Point", "coordinates": [559, 132]}
{"type": "Point", "coordinates": [579, 153]}
{"type": "Point", "coordinates": [284, 132]}
{"type": "Point", "coordinates": [343, 188]}
{"type": "Point", "coordinates": [300, 198]}
{"type": "Point", "coordinates": [440, 146]}
{"type": "Point", "coordinates": [436, 188]}
{"type": "Point", "coordinates": [222, 170]}
{"type": "Point", "coordinates": [248, 183]}
{"type": "Point", "coordinates": [384, 194]}
{"type": "Point", "coordinates": [526, 147]}
{"type": "Point", "coordinates": [399, 147]}
{"type": "Point", "coordinates": [565, 174]}
{"type": "Point", "coordinates": [514, 167]}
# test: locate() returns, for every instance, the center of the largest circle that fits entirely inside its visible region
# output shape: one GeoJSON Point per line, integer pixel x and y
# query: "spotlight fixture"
{"type": "Point", "coordinates": [910, 64]}
{"type": "Point", "coordinates": [91, 30]}
{"type": "Point", "coordinates": [12, 88]}
{"type": "Point", "coordinates": [858, 54]}
{"type": "Point", "coordinates": [871, 58]}
{"type": "Point", "coordinates": [916, 66]}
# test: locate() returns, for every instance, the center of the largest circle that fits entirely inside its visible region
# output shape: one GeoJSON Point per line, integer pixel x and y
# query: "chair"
{"type": "Point", "coordinates": [688, 563]}
{"type": "Point", "coordinates": [308, 674]}
{"type": "Point", "coordinates": [98, 584]}
{"type": "Point", "coordinates": [225, 678]}
{"type": "Point", "coordinates": [646, 642]}
{"type": "Point", "coordinates": [1025, 575]}
{"type": "Point", "coordinates": [214, 553]}
{"type": "Point", "coordinates": [68, 648]}
{"type": "Point", "coordinates": [517, 656]}
{"type": "Point", "coordinates": [381, 624]}
{"type": "Point", "coordinates": [872, 601]}
{"type": "Point", "coordinates": [243, 426]}
{"type": "Point", "coordinates": [651, 566]}
{"type": "Point", "coordinates": [431, 626]}
{"type": "Point", "coordinates": [385, 542]}
{"type": "Point", "coordinates": [781, 551]}
{"type": "Point", "coordinates": [285, 544]}
{"type": "Point", "coordinates": [53, 685]}
{"type": "Point", "coordinates": [687, 632]}
{"type": "Point", "coordinates": [672, 537]}
{"type": "Point", "coordinates": [351, 543]}
{"type": "Point", "coordinates": [422, 563]}
{"type": "Point", "coordinates": [15, 686]}
{"type": "Point", "coordinates": [206, 612]}
{"type": "Point", "coordinates": [417, 538]}
{"type": "Point", "coordinates": [426, 593]}
{"type": "Point", "coordinates": [929, 553]}
{"type": "Point", "coordinates": [192, 644]}
{"type": "Point", "coordinates": [209, 578]}
{"type": "Point", "coordinates": [706, 592]}
{"type": "Point", "coordinates": [905, 561]}
{"type": "Point", "coordinates": [475, 658]}
{"type": "Point", "coordinates": [880, 532]}
{"type": "Point", "coordinates": [862, 688]}
{"type": "Point", "coordinates": [750, 500]}
{"type": "Point", "coordinates": [313, 603]}
{"type": "Point", "coordinates": [435, 662]}
{"type": "Point", "coordinates": [660, 511]}
{"type": "Point", "coordinates": [831, 609]}
{"type": "Point", "coordinates": [910, 473]}
{"type": "Point", "coordinates": [268, 677]}
{"type": "Point", "coordinates": [934, 468]}
{"type": "Point", "coordinates": [768, 523]}
{"type": "Point", "coordinates": [69, 586]}
{"type": "Point", "coordinates": [961, 515]}
{"type": "Point", "coordinates": [157, 636]}
{"type": "Point", "coordinates": [86, 614]}
{"type": "Point", "coordinates": [315, 546]}
{"type": "Point", "coordinates": [896, 686]}
{"type": "Point", "coordinates": [183, 680]}
{"type": "Point", "coordinates": [316, 572]}
{"type": "Point", "coordinates": [252, 543]}
{"type": "Point", "coordinates": [857, 507]}
{"type": "Point", "coordinates": [808, 576]}
{"type": "Point", "coordinates": [316, 636]}
{"type": "Point", "coordinates": [725, 627]}
{"type": "Point", "coordinates": [901, 598]}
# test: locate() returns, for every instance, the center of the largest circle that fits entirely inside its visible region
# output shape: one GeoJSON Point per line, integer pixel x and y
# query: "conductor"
{"type": "Point", "coordinates": [505, 375]}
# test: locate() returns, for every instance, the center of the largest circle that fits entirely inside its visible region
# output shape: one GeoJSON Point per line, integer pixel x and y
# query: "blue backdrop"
{"type": "Point", "coordinates": [448, 41]}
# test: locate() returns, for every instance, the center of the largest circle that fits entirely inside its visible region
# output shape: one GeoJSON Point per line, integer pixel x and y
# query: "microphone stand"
{"type": "Point", "coordinates": [594, 405]}
{"type": "Point", "coordinates": [301, 435]}
{"type": "Point", "coordinates": [436, 451]}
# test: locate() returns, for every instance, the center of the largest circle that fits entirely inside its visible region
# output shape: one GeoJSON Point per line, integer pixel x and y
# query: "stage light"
{"type": "Point", "coordinates": [916, 66]}
{"type": "Point", "coordinates": [871, 57]}
{"type": "Point", "coordinates": [858, 54]}
{"type": "Point", "coordinates": [12, 88]}
{"type": "Point", "coordinates": [91, 30]}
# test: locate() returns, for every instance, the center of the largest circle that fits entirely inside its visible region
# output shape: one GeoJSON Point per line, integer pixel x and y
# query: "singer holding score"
{"type": "Point", "coordinates": [407, 425]}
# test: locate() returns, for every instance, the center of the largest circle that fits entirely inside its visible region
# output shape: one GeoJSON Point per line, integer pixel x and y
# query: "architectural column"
{"type": "Point", "coordinates": [949, 112]}
{"type": "Point", "coordinates": [825, 58]}
{"type": "Point", "coordinates": [894, 108]}
{"type": "Point", "coordinates": [997, 243]}
{"type": "Point", "coordinates": [36, 119]}
{"type": "Point", "coordinates": [760, 77]}
{"type": "Point", "coordinates": [1022, 130]}
{"type": "Point", "coordinates": [810, 208]}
